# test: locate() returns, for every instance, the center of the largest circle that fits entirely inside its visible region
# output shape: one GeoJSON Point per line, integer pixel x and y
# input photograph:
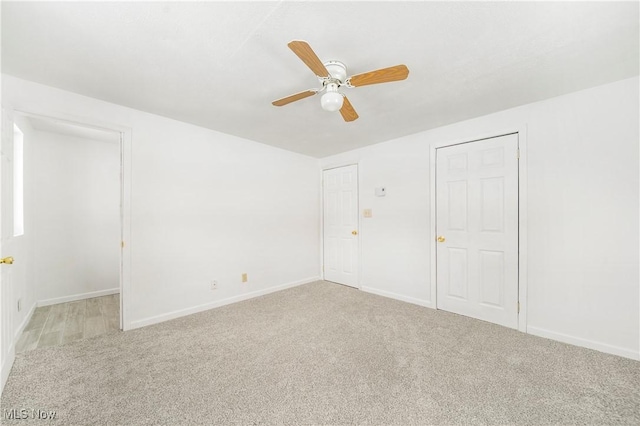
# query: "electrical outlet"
{"type": "Point", "coordinates": [19, 305]}
{"type": "Point", "coordinates": [244, 278]}
{"type": "Point", "coordinates": [214, 285]}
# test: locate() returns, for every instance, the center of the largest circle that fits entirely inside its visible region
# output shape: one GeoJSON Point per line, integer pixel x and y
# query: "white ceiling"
{"type": "Point", "coordinates": [220, 64]}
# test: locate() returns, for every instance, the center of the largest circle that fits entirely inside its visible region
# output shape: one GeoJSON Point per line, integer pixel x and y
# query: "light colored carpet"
{"type": "Point", "coordinates": [324, 354]}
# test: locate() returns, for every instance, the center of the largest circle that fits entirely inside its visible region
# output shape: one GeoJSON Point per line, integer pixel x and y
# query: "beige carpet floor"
{"type": "Point", "coordinates": [324, 354]}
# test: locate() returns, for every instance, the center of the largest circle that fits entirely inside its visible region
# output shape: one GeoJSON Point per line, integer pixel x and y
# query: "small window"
{"type": "Point", "coordinates": [18, 182]}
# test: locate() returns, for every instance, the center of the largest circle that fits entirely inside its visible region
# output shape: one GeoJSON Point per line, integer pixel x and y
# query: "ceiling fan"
{"type": "Point", "coordinates": [333, 75]}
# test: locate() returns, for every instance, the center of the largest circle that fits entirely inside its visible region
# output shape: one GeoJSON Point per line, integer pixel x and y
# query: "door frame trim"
{"type": "Point", "coordinates": [322, 170]}
{"type": "Point", "coordinates": [521, 131]}
{"type": "Point", "coordinates": [125, 195]}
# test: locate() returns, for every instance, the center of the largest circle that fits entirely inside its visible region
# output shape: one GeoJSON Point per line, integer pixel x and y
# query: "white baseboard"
{"type": "Point", "coordinates": [11, 355]}
{"type": "Point", "coordinates": [565, 338]}
{"type": "Point", "coordinates": [6, 366]}
{"type": "Point", "coordinates": [216, 303]}
{"type": "Point", "coordinates": [408, 299]}
{"type": "Point", "coordinates": [585, 343]}
{"type": "Point", "coordinates": [25, 322]}
{"type": "Point", "coordinates": [75, 297]}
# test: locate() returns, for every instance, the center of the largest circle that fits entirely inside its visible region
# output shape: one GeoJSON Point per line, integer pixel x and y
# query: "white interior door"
{"type": "Point", "coordinates": [477, 229]}
{"type": "Point", "coordinates": [340, 224]}
{"type": "Point", "coordinates": [7, 248]}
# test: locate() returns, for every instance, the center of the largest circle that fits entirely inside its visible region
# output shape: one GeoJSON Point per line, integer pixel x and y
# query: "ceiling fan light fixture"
{"type": "Point", "coordinates": [332, 100]}
{"type": "Point", "coordinates": [332, 75]}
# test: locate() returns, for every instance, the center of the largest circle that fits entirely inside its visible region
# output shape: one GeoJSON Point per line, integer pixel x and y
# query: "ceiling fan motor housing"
{"type": "Point", "coordinates": [337, 70]}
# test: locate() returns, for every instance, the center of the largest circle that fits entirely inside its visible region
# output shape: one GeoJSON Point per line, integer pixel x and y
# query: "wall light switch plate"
{"type": "Point", "coordinates": [367, 213]}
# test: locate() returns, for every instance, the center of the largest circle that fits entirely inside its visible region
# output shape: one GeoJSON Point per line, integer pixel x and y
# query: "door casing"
{"type": "Point", "coordinates": [521, 131]}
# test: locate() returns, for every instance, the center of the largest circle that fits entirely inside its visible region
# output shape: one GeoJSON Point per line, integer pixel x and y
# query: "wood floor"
{"type": "Point", "coordinates": [58, 324]}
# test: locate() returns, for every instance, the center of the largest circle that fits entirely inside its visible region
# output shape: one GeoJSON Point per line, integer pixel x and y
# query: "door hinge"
{"type": "Point", "coordinates": [518, 155]}
{"type": "Point", "coordinates": [518, 307]}
{"type": "Point", "coordinates": [122, 244]}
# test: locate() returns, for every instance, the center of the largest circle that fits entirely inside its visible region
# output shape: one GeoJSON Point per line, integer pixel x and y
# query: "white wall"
{"type": "Point", "coordinates": [583, 190]}
{"type": "Point", "coordinates": [76, 208]}
{"type": "Point", "coordinates": [204, 206]}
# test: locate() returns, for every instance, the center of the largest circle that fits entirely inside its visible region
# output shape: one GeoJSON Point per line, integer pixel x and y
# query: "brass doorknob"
{"type": "Point", "coordinates": [7, 260]}
{"type": "Point", "coordinates": [354, 232]}
{"type": "Point", "coordinates": [441, 239]}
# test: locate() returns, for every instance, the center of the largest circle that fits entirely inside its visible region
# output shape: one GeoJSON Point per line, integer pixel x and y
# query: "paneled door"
{"type": "Point", "coordinates": [8, 243]}
{"type": "Point", "coordinates": [340, 225]}
{"type": "Point", "coordinates": [477, 229]}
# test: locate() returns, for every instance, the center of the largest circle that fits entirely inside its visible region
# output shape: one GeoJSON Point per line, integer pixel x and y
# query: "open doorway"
{"type": "Point", "coordinates": [70, 278]}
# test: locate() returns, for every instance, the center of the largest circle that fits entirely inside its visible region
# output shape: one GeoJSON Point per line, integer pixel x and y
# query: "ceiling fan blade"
{"type": "Point", "coordinates": [296, 97]}
{"type": "Point", "coordinates": [309, 57]}
{"type": "Point", "coordinates": [384, 75]}
{"type": "Point", "coordinates": [347, 111]}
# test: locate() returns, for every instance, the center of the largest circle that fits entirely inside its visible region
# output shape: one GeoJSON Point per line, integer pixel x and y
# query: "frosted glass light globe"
{"type": "Point", "coordinates": [331, 101]}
